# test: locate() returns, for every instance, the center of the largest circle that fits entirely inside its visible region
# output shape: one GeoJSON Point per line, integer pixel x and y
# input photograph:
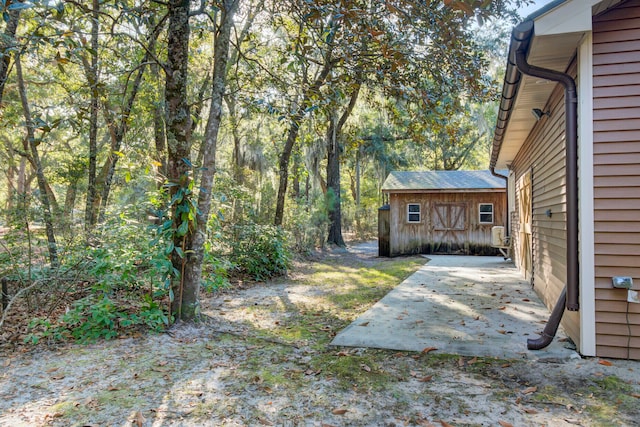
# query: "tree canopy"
{"type": "Point", "coordinates": [224, 134]}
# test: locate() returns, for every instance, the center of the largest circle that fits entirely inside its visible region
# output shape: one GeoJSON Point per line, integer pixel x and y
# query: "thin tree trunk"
{"type": "Point", "coordinates": [159, 135]}
{"type": "Point", "coordinates": [35, 159]}
{"type": "Point", "coordinates": [70, 199]}
{"type": "Point", "coordinates": [7, 41]}
{"type": "Point", "coordinates": [118, 132]}
{"type": "Point", "coordinates": [92, 78]}
{"type": "Point", "coordinates": [292, 135]}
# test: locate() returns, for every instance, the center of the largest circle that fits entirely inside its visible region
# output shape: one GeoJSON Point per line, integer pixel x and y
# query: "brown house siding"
{"type": "Point", "coordinates": [616, 147]}
{"type": "Point", "coordinates": [424, 237]}
{"type": "Point", "coordinates": [543, 154]}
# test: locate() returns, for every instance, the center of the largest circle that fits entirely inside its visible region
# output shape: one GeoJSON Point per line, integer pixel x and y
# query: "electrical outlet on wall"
{"type": "Point", "coordinates": [622, 282]}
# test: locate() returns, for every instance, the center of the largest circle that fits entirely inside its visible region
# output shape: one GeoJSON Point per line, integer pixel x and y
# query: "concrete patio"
{"type": "Point", "coordinates": [465, 305]}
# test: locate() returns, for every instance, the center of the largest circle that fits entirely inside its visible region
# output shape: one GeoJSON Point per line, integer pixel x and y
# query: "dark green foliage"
{"type": "Point", "coordinates": [260, 251]}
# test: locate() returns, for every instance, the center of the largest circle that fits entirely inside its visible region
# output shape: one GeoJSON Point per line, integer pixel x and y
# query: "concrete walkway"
{"type": "Point", "coordinates": [466, 305]}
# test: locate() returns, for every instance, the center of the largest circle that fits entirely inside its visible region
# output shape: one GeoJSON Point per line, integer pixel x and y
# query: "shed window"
{"type": "Point", "coordinates": [486, 213]}
{"type": "Point", "coordinates": [413, 212]}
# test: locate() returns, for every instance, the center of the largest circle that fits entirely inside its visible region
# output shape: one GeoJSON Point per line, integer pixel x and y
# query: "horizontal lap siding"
{"type": "Point", "coordinates": [616, 139]}
{"type": "Point", "coordinates": [544, 155]}
{"type": "Point", "coordinates": [412, 238]}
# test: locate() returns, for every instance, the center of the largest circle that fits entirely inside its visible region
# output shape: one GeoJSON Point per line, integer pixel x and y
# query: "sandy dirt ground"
{"type": "Point", "coordinates": [251, 363]}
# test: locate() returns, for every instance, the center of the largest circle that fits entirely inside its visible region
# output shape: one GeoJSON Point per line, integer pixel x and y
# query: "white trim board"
{"type": "Point", "coordinates": [585, 194]}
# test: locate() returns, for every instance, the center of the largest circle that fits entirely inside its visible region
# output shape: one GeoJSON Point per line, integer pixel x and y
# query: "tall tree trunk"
{"type": "Point", "coordinates": [100, 184]}
{"type": "Point", "coordinates": [159, 135]}
{"type": "Point", "coordinates": [35, 159]}
{"type": "Point", "coordinates": [7, 41]}
{"type": "Point", "coordinates": [334, 138]}
{"type": "Point", "coordinates": [91, 71]}
{"type": "Point", "coordinates": [119, 130]}
{"type": "Point", "coordinates": [292, 135]}
{"type": "Point", "coordinates": [296, 175]}
{"type": "Point", "coordinates": [188, 306]}
{"type": "Point", "coordinates": [333, 185]}
{"type": "Point", "coordinates": [70, 199]}
{"type": "Point", "coordinates": [178, 128]}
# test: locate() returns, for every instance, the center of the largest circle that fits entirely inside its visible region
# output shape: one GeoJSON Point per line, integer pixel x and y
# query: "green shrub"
{"type": "Point", "coordinates": [260, 251]}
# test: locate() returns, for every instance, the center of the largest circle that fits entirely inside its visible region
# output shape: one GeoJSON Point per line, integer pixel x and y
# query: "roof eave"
{"type": "Point", "coordinates": [549, 37]}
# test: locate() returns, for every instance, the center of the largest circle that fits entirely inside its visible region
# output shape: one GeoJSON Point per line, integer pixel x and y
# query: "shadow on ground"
{"type": "Point", "coordinates": [465, 305]}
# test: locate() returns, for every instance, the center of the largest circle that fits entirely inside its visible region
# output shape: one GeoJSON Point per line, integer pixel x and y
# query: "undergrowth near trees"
{"type": "Point", "coordinates": [117, 282]}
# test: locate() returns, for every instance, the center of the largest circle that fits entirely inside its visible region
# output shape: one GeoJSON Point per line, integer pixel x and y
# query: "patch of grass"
{"type": "Point", "coordinates": [119, 397]}
{"type": "Point", "coordinates": [550, 394]}
{"type": "Point", "coordinates": [68, 409]}
{"type": "Point", "coordinates": [351, 289]}
{"type": "Point", "coordinates": [609, 397]}
{"type": "Point", "coordinates": [359, 371]}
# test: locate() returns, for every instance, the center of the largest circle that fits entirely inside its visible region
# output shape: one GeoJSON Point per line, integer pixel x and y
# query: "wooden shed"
{"type": "Point", "coordinates": [443, 212]}
{"type": "Point", "coordinates": [574, 166]}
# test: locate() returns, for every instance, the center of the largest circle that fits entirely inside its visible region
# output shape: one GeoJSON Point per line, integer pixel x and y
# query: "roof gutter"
{"type": "Point", "coordinates": [517, 65]}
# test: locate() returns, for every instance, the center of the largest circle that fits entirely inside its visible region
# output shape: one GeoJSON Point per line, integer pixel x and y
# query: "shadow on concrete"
{"type": "Point", "coordinates": [466, 305]}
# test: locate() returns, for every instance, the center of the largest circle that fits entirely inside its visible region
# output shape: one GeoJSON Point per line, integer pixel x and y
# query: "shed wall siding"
{"type": "Point", "coordinates": [543, 154]}
{"type": "Point", "coordinates": [411, 238]}
{"type": "Point", "coordinates": [616, 147]}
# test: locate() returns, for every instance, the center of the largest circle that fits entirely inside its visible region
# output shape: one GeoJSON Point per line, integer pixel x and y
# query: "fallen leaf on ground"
{"type": "Point", "coordinates": [365, 368]}
{"type": "Point", "coordinates": [636, 395]}
{"type": "Point", "coordinates": [530, 390]}
{"type": "Point", "coordinates": [364, 324]}
{"type": "Point", "coordinates": [139, 419]}
{"type": "Point", "coordinates": [505, 424]}
{"type": "Point", "coordinates": [502, 308]}
{"type": "Point", "coordinates": [472, 361]}
{"type": "Point", "coordinates": [429, 349]}
{"type": "Point", "coordinates": [339, 411]}
{"type": "Point", "coordinates": [426, 379]}
{"type": "Point", "coordinates": [530, 411]}
{"type": "Point", "coordinates": [445, 424]}
{"type": "Point", "coordinates": [605, 362]}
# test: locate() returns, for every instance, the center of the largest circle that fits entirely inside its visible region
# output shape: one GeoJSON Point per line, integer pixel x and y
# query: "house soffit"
{"type": "Point", "coordinates": [557, 35]}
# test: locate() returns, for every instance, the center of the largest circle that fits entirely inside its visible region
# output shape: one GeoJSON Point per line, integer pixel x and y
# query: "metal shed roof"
{"type": "Point", "coordinates": [402, 181]}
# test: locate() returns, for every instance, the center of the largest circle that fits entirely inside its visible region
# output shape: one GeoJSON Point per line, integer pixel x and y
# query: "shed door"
{"type": "Point", "coordinates": [449, 227]}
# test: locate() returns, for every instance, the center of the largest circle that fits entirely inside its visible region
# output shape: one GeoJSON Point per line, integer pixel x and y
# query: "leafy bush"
{"type": "Point", "coordinates": [308, 226]}
{"type": "Point", "coordinates": [260, 251]}
{"type": "Point", "coordinates": [90, 319]}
